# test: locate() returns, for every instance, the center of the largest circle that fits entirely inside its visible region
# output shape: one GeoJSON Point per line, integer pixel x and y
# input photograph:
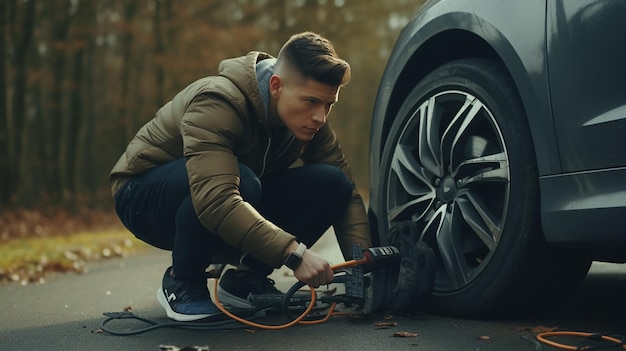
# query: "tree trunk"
{"type": "Point", "coordinates": [80, 120]}
{"type": "Point", "coordinates": [127, 38]}
{"type": "Point", "coordinates": [162, 12]}
{"type": "Point", "coordinates": [65, 129]}
{"type": "Point", "coordinates": [20, 178]}
{"type": "Point", "coordinates": [4, 156]}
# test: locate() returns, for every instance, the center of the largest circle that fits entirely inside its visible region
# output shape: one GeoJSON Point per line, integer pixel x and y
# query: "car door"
{"type": "Point", "coordinates": [583, 206]}
{"type": "Point", "coordinates": [587, 73]}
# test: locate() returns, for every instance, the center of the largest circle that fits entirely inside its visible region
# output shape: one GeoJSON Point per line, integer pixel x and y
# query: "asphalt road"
{"type": "Point", "coordinates": [65, 314]}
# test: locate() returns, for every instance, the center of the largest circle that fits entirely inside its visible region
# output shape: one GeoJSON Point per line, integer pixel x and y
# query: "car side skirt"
{"type": "Point", "coordinates": [585, 209]}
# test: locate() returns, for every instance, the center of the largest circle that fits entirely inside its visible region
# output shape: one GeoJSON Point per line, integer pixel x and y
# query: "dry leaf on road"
{"type": "Point", "coordinates": [404, 334]}
{"type": "Point", "coordinates": [537, 329]}
{"type": "Point", "coordinates": [542, 329]}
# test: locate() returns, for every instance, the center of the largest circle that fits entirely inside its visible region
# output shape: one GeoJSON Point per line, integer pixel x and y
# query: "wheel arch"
{"type": "Point", "coordinates": [434, 52]}
{"type": "Point", "coordinates": [395, 87]}
{"type": "Point", "coordinates": [423, 46]}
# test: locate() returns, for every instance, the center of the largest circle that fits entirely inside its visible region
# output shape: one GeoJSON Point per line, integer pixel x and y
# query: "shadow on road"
{"type": "Point", "coordinates": [599, 305]}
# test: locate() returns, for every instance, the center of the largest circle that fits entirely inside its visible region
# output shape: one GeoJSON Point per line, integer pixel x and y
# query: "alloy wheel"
{"type": "Point", "coordinates": [450, 175]}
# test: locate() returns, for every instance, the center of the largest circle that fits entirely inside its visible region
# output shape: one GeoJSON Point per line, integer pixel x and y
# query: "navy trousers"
{"type": "Point", "coordinates": [156, 207]}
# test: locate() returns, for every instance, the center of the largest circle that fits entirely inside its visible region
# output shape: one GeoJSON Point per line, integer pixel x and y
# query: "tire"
{"type": "Point", "coordinates": [459, 162]}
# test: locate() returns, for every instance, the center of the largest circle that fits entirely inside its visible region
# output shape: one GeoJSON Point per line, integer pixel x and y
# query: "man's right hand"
{"type": "Point", "coordinates": [314, 270]}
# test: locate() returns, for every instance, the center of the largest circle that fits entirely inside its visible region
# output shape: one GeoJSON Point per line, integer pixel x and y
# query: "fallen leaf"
{"type": "Point", "coordinates": [404, 334]}
{"type": "Point", "coordinates": [388, 317]}
{"type": "Point", "coordinates": [543, 329]}
{"type": "Point", "coordinates": [386, 324]}
{"type": "Point", "coordinates": [128, 308]}
{"type": "Point", "coordinates": [484, 337]}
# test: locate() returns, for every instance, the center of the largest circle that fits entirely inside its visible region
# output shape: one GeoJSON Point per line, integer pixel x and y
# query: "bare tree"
{"type": "Point", "coordinates": [17, 127]}
{"type": "Point", "coordinates": [4, 157]}
{"type": "Point", "coordinates": [80, 77]}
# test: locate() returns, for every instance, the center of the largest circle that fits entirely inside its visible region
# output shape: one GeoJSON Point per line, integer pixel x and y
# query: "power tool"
{"type": "Point", "coordinates": [396, 278]}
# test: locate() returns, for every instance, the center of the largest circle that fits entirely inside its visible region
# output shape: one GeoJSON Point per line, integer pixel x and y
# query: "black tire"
{"type": "Point", "coordinates": [459, 162]}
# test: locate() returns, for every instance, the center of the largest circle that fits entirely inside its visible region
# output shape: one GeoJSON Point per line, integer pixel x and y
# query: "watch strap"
{"type": "Point", "coordinates": [294, 258]}
{"type": "Point", "coordinates": [300, 250]}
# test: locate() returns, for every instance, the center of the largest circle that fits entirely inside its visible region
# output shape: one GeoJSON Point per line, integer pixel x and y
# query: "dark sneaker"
{"type": "Point", "coordinates": [236, 288]}
{"type": "Point", "coordinates": [185, 301]}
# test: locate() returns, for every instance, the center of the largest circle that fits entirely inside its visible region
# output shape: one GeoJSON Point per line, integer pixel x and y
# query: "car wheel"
{"type": "Point", "coordinates": [459, 162]}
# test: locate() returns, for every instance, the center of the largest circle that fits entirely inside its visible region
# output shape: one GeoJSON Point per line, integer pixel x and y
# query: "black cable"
{"type": "Point", "coordinates": [288, 295]}
{"type": "Point", "coordinates": [227, 324]}
{"type": "Point", "coordinates": [286, 300]}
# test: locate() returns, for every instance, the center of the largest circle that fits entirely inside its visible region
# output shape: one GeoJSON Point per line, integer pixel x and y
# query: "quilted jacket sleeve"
{"type": "Point", "coordinates": [211, 128]}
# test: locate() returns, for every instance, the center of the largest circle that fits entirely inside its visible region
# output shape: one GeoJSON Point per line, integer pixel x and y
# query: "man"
{"type": "Point", "coordinates": [213, 175]}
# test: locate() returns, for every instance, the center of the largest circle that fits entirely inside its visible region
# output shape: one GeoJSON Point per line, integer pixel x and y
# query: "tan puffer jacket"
{"type": "Point", "coordinates": [214, 123]}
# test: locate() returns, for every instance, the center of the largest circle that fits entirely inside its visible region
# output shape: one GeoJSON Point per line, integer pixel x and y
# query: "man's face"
{"type": "Point", "coordinates": [302, 105]}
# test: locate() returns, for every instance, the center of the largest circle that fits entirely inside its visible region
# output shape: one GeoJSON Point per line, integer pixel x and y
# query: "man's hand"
{"type": "Point", "coordinates": [314, 270]}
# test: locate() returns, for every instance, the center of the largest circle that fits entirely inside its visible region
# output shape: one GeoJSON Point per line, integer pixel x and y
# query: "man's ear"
{"type": "Point", "coordinates": [275, 85]}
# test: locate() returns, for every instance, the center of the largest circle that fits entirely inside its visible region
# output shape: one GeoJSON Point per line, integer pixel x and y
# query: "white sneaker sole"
{"type": "Point", "coordinates": [175, 315]}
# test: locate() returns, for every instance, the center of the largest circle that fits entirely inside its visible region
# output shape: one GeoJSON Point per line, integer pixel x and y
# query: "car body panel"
{"type": "Point", "coordinates": [585, 205]}
{"type": "Point", "coordinates": [581, 185]}
{"type": "Point", "coordinates": [587, 82]}
{"type": "Point", "coordinates": [586, 209]}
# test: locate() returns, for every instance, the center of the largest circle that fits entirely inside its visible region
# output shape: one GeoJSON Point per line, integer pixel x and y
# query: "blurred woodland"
{"type": "Point", "coordinates": [80, 77]}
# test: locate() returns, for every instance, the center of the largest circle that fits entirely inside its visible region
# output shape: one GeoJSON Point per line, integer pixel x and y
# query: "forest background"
{"type": "Point", "coordinates": [79, 78]}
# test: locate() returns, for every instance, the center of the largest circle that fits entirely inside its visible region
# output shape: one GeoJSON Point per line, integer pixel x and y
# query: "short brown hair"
{"type": "Point", "coordinates": [314, 57]}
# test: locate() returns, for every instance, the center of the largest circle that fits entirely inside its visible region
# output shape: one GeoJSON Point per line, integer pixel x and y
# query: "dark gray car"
{"type": "Point", "coordinates": [500, 129]}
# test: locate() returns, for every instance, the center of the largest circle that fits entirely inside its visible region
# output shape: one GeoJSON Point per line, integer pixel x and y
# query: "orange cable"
{"type": "Point", "coordinates": [327, 317]}
{"type": "Point", "coordinates": [299, 318]}
{"type": "Point", "coordinates": [263, 326]}
{"type": "Point", "coordinates": [542, 337]}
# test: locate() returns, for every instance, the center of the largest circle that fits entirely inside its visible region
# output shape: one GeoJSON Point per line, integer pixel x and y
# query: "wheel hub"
{"type": "Point", "coordinates": [446, 191]}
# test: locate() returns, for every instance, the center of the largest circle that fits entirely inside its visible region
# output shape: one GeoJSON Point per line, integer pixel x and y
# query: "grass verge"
{"type": "Point", "coordinates": [30, 260]}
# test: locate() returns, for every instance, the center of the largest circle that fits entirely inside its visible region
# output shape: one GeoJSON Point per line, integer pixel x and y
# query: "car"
{"type": "Point", "coordinates": [499, 129]}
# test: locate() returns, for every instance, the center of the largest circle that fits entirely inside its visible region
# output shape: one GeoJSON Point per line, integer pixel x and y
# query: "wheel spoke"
{"type": "Point", "coordinates": [454, 133]}
{"type": "Point", "coordinates": [403, 160]}
{"type": "Point", "coordinates": [415, 208]}
{"type": "Point", "coordinates": [487, 168]}
{"type": "Point", "coordinates": [448, 243]}
{"type": "Point", "coordinates": [482, 221]}
{"type": "Point", "coordinates": [429, 148]}
{"type": "Point", "coordinates": [414, 183]}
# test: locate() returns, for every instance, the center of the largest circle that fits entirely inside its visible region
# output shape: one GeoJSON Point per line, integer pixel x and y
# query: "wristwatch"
{"type": "Point", "coordinates": [295, 257]}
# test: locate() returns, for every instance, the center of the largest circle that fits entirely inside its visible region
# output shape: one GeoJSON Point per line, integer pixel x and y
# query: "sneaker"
{"type": "Point", "coordinates": [236, 288]}
{"type": "Point", "coordinates": [185, 301]}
